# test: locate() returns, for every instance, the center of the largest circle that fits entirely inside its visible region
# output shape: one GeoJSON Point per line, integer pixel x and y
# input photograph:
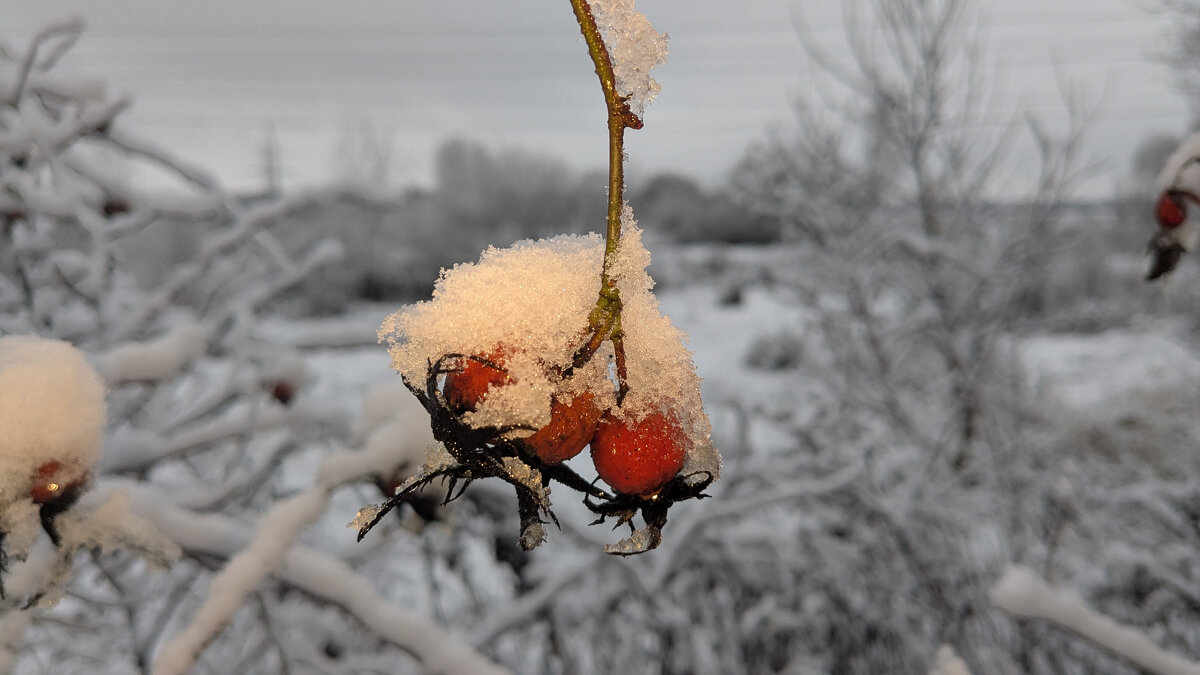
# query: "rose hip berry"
{"type": "Point", "coordinates": [51, 481]}
{"type": "Point", "coordinates": [1171, 209]}
{"type": "Point", "coordinates": [572, 426]}
{"type": "Point", "coordinates": [639, 459]}
{"type": "Point", "coordinates": [465, 389]}
{"type": "Point", "coordinates": [283, 391]}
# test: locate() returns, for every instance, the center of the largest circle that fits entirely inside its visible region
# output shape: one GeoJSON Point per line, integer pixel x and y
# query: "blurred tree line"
{"type": "Point", "coordinates": [481, 196]}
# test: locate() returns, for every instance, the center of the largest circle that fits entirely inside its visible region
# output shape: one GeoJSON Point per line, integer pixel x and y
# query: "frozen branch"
{"type": "Point", "coordinates": [195, 175]}
{"type": "Point", "coordinates": [312, 572]}
{"type": "Point", "coordinates": [276, 532]}
{"type": "Point", "coordinates": [154, 360]}
{"type": "Point", "coordinates": [134, 450]}
{"type": "Point", "coordinates": [1022, 593]}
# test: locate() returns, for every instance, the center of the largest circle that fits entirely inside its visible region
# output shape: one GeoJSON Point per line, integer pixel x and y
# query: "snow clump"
{"type": "Point", "coordinates": [634, 47]}
{"type": "Point", "coordinates": [51, 410]}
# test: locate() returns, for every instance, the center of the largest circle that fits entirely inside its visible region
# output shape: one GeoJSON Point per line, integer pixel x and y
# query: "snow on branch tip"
{"type": "Point", "coordinates": [634, 47]}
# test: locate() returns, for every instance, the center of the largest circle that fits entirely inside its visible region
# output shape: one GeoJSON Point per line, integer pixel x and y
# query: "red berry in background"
{"type": "Point", "coordinates": [639, 459]}
{"type": "Point", "coordinates": [572, 426]}
{"type": "Point", "coordinates": [51, 481]}
{"type": "Point", "coordinates": [1170, 210]}
{"type": "Point", "coordinates": [465, 389]}
{"type": "Point", "coordinates": [115, 206]}
{"type": "Point", "coordinates": [283, 391]}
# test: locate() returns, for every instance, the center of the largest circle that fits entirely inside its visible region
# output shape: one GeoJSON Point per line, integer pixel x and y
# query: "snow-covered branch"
{"type": "Point", "coordinates": [135, 450]}
{"type": "Point", "coordinates": [315, 573]}
{"type": "Point", "coordinates": [1021, 592]}
{"type": "Point", "coordinates": [156, 359]}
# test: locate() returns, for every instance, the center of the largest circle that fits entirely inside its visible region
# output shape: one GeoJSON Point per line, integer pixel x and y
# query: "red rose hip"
{"type": "Point", "coordinates": [639, 459]}
{"type": "Point", "coordinates": [571, 427]}
{"type": "Point", "coordinates": [465, 389]}
{"type": "Point", "coordinates": [51, 481]}
{"type": "Point", "coordinates": [1171, 210]}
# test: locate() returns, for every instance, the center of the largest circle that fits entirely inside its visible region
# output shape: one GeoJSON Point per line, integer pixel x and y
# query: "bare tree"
{"type": "Point", "coordinates": [921, 267]}
{"type": "Point", "coordinates": [363, 153]}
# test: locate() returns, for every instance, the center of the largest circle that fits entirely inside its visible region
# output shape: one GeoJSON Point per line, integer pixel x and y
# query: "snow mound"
{"type": "Point", "coordinates": [51, 410]}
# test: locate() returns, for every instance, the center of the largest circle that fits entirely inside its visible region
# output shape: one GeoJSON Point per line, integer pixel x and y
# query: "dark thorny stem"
{"type": "Point", "coordinates": [605, 319]}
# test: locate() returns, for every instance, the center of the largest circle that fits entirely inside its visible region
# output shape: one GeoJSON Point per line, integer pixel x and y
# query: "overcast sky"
{"type": "Point", "coordinates": [209, 77]}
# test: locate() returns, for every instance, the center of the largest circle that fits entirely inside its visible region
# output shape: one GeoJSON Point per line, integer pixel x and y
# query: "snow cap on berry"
{"type": "Point", "coordinates": [531, 301]}
{"type": "Point", "coordinates": [661, 373]}
{"type": "Point", "coordinates": [51, 410]}
{"type": "Point", "coordinates": [634, 48]}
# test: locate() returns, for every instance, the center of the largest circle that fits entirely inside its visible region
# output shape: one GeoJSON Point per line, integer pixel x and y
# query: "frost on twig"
{"type": "Point", "coordinates": [1022, 593]}
{"type": "Point", "coordinates": [635, 48]}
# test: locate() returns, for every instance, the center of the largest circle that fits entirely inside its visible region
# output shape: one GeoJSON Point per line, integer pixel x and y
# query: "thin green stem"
{"type": "Point", "coordinates": [605, 318]}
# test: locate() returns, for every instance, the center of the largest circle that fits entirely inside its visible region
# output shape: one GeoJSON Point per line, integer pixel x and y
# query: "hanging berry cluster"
{"type": "Point", "coordinates": [522, 363]}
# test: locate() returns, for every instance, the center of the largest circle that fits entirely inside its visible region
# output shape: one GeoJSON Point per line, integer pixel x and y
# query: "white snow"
{"type": "Point", "coordinates": [949, 663]}
{"type": "Point", "coordinates": [271, 551]}
{"type": "Point", "coordinates": [634, 48]}
{"type": "Point", "coordinates": [156, 359]}
{"type": "Point", "coordinates": [12, 632]}
{"type": "Point", "coordinates": [1110, 374]}
{"type": "Point", "coordinates": [391, 403]}
{"type": "Point", "coordinates": [110, 526]}
{"type": "Point", "coordinates": [396, 436]}
{"type": "Point", "coordinates": [290, 367]}
{"type": "Point", "coordinates": [1022, 593]}
{"type": "Point", "coordinates": [1181, 170]}
{"type": "Point", "coordinates": [241, 575]}
{"type": "Point", "coordinates": [52, 408]}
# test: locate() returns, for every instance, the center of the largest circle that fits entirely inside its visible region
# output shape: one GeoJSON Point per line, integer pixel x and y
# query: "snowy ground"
{"type": "Point", "coordinates": [1111, 374]}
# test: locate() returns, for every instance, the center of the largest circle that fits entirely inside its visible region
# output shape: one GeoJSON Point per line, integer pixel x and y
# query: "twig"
{"type": "Point", "coordinates": [604, 321]}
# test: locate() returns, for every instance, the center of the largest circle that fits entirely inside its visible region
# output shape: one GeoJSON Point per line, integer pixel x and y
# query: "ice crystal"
{"type": "Point", "coordinates": [634, 47]}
